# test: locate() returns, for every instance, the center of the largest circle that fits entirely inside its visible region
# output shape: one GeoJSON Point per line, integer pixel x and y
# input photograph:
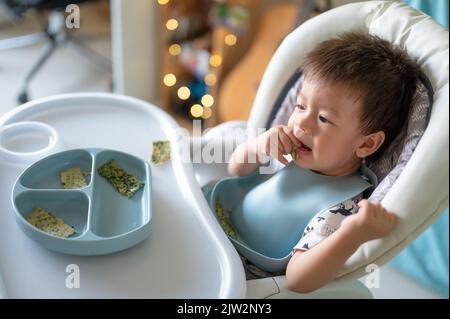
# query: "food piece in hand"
{"type": "Point", "coordinates": [50, 224]}
{"type": "Point", "coordinates": [72, 178]}
{"type": "Point", "coordinates": [224, 220]}
{"type": "Point", "coordinates": [126, 184]}
{"type": "Point", "coordinates": [161, 152]}
{"type": "Point", "coordinates": [294, 152]}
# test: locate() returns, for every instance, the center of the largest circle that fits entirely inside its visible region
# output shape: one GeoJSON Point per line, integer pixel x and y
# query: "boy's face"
{"type": "Point", "coordinates": [326, 120]}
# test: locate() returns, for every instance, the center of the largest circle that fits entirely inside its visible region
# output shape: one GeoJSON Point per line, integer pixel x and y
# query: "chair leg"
{"type": "Point", "coordinates": [23, 96]}
{"type": "Point", "coordinates": [90, 54]}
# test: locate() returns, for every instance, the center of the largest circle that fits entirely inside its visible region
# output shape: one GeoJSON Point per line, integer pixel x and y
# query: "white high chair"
{"type": "Point", "coordinates": [420, 193]}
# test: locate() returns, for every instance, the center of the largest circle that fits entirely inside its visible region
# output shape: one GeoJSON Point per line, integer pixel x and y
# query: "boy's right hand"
{"type": "Point", "coordinates": [276, 142]}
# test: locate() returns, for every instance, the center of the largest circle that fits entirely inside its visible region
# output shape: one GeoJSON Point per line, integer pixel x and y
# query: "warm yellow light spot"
{"type": "Point", "coordinates": [207, 112]}
{"type": "Point", "coordinates": [163, 2]}
{"type": "Point", "coordinates": [230, 39]}
{"type": "Point", "coordinates": [170, 79]}
{"type": "Point", "coordinates": [215, 60]}
{"type": "Point", "coordinates": [175, 49]}
{"type": "Point", "coordinates": [184, 93]}
{"type": "Point", "coordinates": [171, 24]}
{"type": "Point", "coordinates": [207, 100]}
{"type": "Point", "coordinates": [210, 79]}
{"type": "Point", "coordinates": [196, 110]}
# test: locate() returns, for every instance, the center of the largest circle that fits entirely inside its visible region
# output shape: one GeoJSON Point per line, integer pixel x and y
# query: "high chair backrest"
{"type": "Point", "coordinates": [420, 193]}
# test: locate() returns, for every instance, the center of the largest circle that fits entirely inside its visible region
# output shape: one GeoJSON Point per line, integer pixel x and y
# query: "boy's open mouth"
{"type": "Point", "coordinates": [304, 148]}
{"type": "Point", "coordinates": [300, 150]}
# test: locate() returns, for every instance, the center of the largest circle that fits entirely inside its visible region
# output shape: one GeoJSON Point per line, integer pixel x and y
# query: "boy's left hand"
{"type": "Point", "coordinates": [371, 222]}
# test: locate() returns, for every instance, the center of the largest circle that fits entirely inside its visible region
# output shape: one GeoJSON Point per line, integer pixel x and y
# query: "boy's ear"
{"type": "Point", "coordinates": [370, 144]}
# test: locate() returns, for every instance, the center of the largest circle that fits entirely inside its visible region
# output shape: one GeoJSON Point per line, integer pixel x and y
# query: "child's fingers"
{"type": "Point", "coordinates": [284, 143]}
{"type": "Point", "coordinates": [281, 158]}
{"type": "Point", "coordinates": [393, 219]}
{"type": "Point", "coordinates": [363, 203]}
{"type": "Point", "coordinates": [377, 205]}
{"type": "Point", "coordinates": [289, 131]}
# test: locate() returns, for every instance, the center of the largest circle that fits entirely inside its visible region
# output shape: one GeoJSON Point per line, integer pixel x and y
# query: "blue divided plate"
{"type": "Point", "coordinates": [105, 221]}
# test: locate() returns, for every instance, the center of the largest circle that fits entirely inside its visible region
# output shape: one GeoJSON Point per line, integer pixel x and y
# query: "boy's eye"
{"type": "Point", "coordinates": [299, 107]}
{"type": "Point", "coordinates": [324, 120]}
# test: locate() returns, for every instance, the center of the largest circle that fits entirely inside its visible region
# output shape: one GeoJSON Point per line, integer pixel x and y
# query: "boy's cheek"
{"type": "Point", "coordinates": [291, 120]}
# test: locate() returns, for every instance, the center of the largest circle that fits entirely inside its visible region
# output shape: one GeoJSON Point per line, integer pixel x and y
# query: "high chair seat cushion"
{"type": "Point", "coordinates": [420, 193]}
{"type": "Point", "coordinates": [389, 167]}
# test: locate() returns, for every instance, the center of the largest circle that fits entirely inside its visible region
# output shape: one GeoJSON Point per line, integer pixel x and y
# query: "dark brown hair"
{"type": "Point", "coordinates": [382, 75]}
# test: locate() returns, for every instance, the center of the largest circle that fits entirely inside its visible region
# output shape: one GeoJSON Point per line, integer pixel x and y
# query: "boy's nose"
{"type": "Point", "coordinates": [303, 126]}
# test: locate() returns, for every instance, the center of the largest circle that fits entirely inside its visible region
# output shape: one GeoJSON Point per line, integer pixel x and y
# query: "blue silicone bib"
{"type": "Point", "coordinates": [270, 212]}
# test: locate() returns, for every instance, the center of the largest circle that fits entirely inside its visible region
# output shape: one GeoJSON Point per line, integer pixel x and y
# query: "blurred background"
{"type": "Point", "coordinates": [196, 59]}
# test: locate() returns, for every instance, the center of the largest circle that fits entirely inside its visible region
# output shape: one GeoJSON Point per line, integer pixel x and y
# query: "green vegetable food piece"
{"type": "Point", "coordinates": [294, 152]}
{"type": "Point", "coordinates": [224, 220]}
{"type": "Point", "coordinates": [48, 223]}
{"type": "Point", "coordinates": [161, 152]}
{"type": "Point", "coordinates": [72, 178]}
{"type": "Point", "coordinates": [126, 184]}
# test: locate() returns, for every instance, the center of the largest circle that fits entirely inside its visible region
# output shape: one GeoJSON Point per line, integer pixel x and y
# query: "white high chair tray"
{"type": "Point", "coordinates": [185, 256]}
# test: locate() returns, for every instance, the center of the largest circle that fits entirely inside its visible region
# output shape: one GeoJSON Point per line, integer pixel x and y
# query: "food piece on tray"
{"type": "Point", "coordinates": [224, 220]}
{"type": "Point", "coordinates": [126, 184]}
{"type": "Point", "coordinates": [72, 178]}
{"type": "Point", "coordinates": [48, 223]}
{"type": "Point", "coordinates": [161, 152]}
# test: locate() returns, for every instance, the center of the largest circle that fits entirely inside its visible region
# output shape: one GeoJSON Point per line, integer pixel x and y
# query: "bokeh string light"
{"type": "Point", "coordinates": [186, 91]}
